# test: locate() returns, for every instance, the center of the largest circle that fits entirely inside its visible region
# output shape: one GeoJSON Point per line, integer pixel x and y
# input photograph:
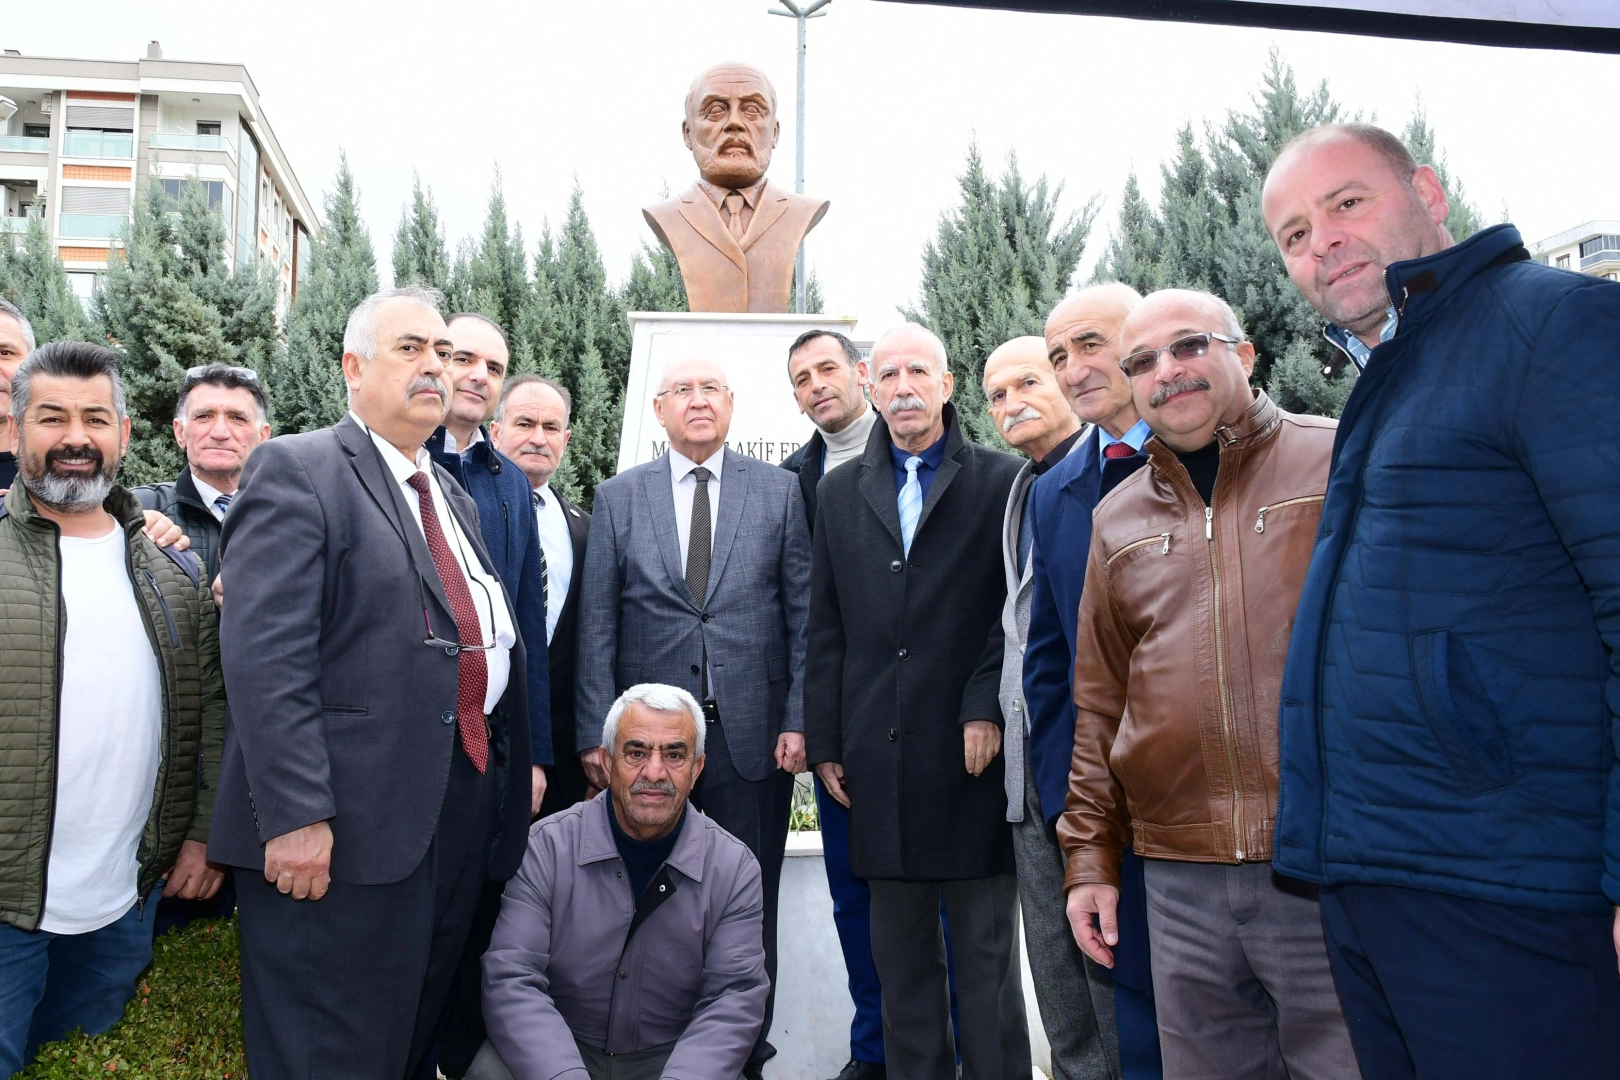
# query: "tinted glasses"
{"type": "Point", "coordinates": [1183, 349]}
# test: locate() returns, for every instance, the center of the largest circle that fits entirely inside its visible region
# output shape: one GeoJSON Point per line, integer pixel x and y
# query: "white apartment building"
{"type": "Point", "coordinates": [1593, 248]}
{"type": "Point", "coordinates": [78, 139]}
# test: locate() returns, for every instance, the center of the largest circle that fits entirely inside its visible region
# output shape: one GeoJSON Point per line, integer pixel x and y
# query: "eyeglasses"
{"type": "Point", "coordinates": [688, 393]}
{"type": "Point", "coordinates": [1190, 347]}
{"type": "Point", "coordinates": [451, 648]}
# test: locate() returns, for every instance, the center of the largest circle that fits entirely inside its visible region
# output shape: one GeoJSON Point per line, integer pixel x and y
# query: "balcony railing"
{"type": "Point", "coordinates": [91, 226]}
{"type": "Point", "coordinates": [99, 144]}
{"type": "Point", "coordinates": [161, 141]}
{"type": "Point", "coordinates": [13, 224]}
{"type": "Point", "coordinates": [27, 144]}
{"type": "Point", "coordinates": [1603, 255]}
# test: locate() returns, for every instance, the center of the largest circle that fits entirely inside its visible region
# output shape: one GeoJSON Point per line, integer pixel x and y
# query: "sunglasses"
{"type": "Point", "coordinates": [1190, 347]}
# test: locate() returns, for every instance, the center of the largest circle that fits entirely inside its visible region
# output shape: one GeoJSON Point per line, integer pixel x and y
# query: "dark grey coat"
{"type": "Point", "coordinates": [338, 711]}
{"type": "Point", "coordinates": [902, 654]}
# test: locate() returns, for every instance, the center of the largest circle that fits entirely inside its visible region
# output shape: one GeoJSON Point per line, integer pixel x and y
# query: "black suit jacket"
{"type": "Point", "coordinates": [806, 462]}
{"type": "Point", "coordinates": [565, 641]}
{"type": "Point", "coordinates": [339, 711]}
{"type": "Point", "coordinates": [905, 650]}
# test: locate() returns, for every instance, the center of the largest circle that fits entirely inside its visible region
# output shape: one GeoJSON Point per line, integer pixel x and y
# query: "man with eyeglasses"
{"type": "Point", "coordinates": [697, 575]}
{"type": "Point", "coordinates": [478, 361]}
{"type": "Point", "coordinates": [1195, 569]}
{"type": "Point", "coordinates": [376, 768]}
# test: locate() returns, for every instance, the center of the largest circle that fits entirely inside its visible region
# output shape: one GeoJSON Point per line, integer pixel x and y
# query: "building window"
{"type": "Point", "coordinates": [1599, 243]}
{"type": "Point", "coordinates": [247, 213]}
{"type": "Point", "coordinates": [1612, 276]}
{"type": "Point", "coordinates": [218, 197]}
{"type": "Point", "coordinates": [208, 127]}
{"type": "Point", "coordinates": [36, 131]}
{"type": "Point", "coordinates": [83, 286]}
{"type": "Point", "coordinates": [1563, 262]}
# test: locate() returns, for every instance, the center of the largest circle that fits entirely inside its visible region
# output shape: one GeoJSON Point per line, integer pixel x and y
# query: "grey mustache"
{"type": "Point", "coordinates": [1180, 386]}
{"type": "Point", "coordinates": [1026, 413]}
{"type": "Point", "coordinates": [900, 404]}
{"type": "Point", "coordinates": [664, 786]}
{"type": "Point", "coordinates": [428, 382]}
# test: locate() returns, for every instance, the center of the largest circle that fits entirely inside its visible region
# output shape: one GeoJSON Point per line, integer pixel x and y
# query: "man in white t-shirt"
{"type": "Point", "coordinates": [110, 697]}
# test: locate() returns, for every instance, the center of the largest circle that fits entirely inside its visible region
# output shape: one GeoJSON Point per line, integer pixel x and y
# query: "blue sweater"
{"type": "Point", "coordinates": [506, 518]}
{"type": "Point", "coordinates": [1449, 706]}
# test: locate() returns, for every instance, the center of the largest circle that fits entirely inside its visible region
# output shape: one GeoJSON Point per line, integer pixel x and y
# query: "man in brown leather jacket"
{"type": "Point", "coordinates": [1195, 568]}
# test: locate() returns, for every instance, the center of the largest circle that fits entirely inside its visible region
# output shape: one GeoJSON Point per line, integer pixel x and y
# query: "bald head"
{"type": "Point", "coordinates": [694, 406]}
{"type": "Point", "coordinates": [731, 125]}
{"type": "Point", "coordinates": [1082, 347]}
{"type": "Point", "coordinates": [1185, 398]}
{"type": "Point", "coordinates": [1023, 395]}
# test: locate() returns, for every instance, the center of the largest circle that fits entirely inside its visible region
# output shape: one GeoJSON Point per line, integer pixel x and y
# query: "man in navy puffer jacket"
{"type": "Point", "coordinates": [1449, 731]}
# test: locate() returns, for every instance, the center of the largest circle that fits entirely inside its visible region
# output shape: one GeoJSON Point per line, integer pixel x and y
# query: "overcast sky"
{"type": "Point", "coordinates": [593, 90]}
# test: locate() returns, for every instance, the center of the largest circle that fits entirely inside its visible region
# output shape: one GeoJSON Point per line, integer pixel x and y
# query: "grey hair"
{"type": "Point", "coordinates": [914, 330]}
{"type": "Point", "coordinates": [1233, 324]}
{"type": "Point", "coordinates": [68, 360]}
{"type": "Point", "coordinates": [360, 335]}
{"type": "Point", "coordinates": [659, 698]}
{"type": "Point", "coordinates": [531, 379]}
{"type": "Point", "coordinates": [8, 308]}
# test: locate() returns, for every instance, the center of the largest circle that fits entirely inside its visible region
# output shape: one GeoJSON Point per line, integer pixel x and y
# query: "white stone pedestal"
{"type": "Point", "coordinates": [751, 348]}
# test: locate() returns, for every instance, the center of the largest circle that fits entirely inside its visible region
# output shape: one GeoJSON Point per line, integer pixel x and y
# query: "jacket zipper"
{"type": "Point", "coordinates": [1162, 538]}
{"type": "Point", "coordinates": [1260, 522]}
{"type": "Point", "coordinates": [162, 794]}
{"type": "Point", "coordinates": [56, 716]}
{"type": "Point", "coordinates": [1220, 682]}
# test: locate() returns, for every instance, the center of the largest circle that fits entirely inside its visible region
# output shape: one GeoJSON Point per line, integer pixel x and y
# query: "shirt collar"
{"type": "Point", "coordinates": [680, 464]}
{"type": "Point", "coordinates": [931, 457]}
{"type": "Point", "coordinates": [544, 492]}
{"type": "Point", "coordinates": [402, 467]}
{"type": "Point", "coordinates": [1058, 452]}
{"type": "Point", "coordinates": [717, 194]}
{"type": "Point", "coordinates": [1353, 346]}
{"type": "Point", "coordinates": [1135, 438]}
{"type": "Point", "coordinates": [208, 492]}
{"type": "Point", "coordinates": [450, 446]}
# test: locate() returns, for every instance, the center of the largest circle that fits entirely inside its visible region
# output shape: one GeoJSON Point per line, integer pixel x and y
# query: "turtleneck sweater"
{"type": "Point", "coordinates": [850, 443]}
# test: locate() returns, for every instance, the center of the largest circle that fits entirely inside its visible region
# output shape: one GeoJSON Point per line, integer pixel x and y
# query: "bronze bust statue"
{"type": "Point", "coordinates": [734, 233]}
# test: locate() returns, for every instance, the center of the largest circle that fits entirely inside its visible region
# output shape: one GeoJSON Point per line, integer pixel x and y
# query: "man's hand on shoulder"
{"type": "Point", "coordinates": [165, 533]}
{"type": "Point", "coordinates": [300, 862]}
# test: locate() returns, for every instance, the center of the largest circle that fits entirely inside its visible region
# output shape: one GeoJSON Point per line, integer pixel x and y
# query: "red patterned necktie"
{"type": "Point", "coordinates": [1118, 450]}
{"type": "Point", "coordinates": [474, 669]}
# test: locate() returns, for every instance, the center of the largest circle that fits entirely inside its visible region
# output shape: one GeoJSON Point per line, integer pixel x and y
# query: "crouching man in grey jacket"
{"type": "Point", "coordinates": [629, 944]}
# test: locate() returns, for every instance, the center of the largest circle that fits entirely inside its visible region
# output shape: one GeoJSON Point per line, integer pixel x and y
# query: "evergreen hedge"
{"type": "Point", "coordinates": [185, 1022]}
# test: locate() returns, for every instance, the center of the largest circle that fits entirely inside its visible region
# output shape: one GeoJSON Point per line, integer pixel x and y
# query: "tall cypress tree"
{"type": "Point", "coordinates": [245, 299]}
{"type": "Point", "coordinates": [420, 254]}
{"type": "Point", "coordinates": [1001, 260]}
{"type": "Point", "coordinates": [307, 390]}
{"type": "Point", "coordinates": [161, 326]}
{"type": "Point", "coordinates": [32, 277]}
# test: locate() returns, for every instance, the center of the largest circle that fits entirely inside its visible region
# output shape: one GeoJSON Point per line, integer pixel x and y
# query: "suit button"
{"type": "Point", "coordinates": [905, 655]}
{"type": "Point", "coordinates": [894, 734]}
{"type": "Point", "coordinates": [624, 973]}
{"type": "Point", "coordinates": [705, 616]}
{"type": "Point", "coordinates": [447, 717]}
{"type": "Point", "coordinates": [897, 566]}
{"type": "Point", "coordinates": [694, 669]}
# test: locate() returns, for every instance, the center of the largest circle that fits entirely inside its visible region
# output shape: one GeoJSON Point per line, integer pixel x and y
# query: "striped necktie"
{"type": "Point", "coordinates": [545, 571]}
{"type": "Point", "coordinates": [224, 503]}
{"type": "Point", "coordinates": [911, 500]}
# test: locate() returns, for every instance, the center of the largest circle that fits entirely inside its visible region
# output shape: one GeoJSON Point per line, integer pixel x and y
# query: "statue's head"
{"type": "Point", "coordinates": [731, 125]}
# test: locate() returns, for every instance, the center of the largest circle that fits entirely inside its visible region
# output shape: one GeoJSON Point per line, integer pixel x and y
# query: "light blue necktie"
{"type": "Point", "coordinates": [224, 504]}
{"type": "Point", "coordinates": [911, 501]}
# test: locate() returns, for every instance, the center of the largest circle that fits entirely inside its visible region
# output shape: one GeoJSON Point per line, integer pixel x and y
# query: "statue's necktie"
{"type": "Point", "coordinates": [474, 668]}
{"type": "Point", "coordinates": [734, 209]}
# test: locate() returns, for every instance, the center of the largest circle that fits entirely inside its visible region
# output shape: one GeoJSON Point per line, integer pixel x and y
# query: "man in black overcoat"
{"type": "Point", "coordinates": [902, 718]}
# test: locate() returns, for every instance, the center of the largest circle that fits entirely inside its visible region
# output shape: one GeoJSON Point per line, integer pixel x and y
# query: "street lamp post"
{"type": "Point", "coordinates": [800, 11]}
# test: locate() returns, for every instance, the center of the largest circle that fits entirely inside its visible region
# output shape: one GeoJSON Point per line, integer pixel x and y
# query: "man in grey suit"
{"type": "Point", "coordinates": [1077, 1011]}
{"type": "Point", "coordinates": [697, 574]}
{"type": "Point", "coordinates": [376, 762]}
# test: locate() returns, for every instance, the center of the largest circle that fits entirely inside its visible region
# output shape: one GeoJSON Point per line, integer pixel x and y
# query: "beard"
{"type": "Point", "coordinates": [67, 493]}
{"type": "Point", "coordinates": [731, 172]}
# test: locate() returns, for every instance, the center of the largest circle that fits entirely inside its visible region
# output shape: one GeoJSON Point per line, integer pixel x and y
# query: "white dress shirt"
{"type": "Point", "coordinates": [558, 545]}
{"type": "Point", "coordinates": [209, 493]}
{"type": "Point", "coordinates": [684, 485]}
{"type": "Point", "coordinates": [489, 601]}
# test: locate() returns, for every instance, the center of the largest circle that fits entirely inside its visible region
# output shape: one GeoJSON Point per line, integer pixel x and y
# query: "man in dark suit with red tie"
{"type": "Point", "coordinates": [376, 766]}
{"type": "Point", "coordinates": [1082, 341]}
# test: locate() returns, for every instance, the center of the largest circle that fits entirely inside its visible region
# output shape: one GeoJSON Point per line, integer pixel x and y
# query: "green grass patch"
{"type": "Point", "coordinates": [185, 1022]}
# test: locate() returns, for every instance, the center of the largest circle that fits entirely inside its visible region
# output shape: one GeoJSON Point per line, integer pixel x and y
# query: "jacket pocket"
{"type": "Point", "coordinates": [776, 668]}
{"type": "Point", "coordinates": [1458, 712]}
